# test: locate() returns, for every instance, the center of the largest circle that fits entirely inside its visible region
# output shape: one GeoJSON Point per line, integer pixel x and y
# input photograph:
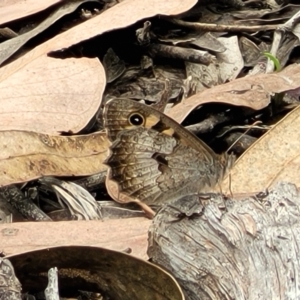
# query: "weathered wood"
{"type": "Point", "coordinates": [227, 249]}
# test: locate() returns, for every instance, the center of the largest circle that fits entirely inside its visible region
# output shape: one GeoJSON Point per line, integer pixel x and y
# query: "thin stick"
{"type": "Point", "coordinates": [221, 28]}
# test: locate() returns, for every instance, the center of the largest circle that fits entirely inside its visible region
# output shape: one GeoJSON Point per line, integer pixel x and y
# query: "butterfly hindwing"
{"type": "Point", "coordinates": [152, 158]}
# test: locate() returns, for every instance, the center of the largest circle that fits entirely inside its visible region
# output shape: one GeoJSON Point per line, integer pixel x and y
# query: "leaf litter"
{"type": "Point", "coordinates": [70, 90]}
{"type": "Point", "coordinates": [9, 47]}
{"type": "Point", "coordinates": [85, 80]}
{"type": "Point", "coordinates": [254, 92]}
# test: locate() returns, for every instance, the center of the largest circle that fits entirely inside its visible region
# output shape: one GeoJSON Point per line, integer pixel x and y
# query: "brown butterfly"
{"type": "Point", "coordinates": [153, 159]}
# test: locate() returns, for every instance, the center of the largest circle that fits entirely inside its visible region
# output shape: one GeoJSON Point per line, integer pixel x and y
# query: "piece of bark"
{"type": "Point", "coordinates": [52, 292]}
{"type": "Point", "coordinates": [24, 205]}
{"type": "Point", "coordinates": [188, 54]}
{"type": "Point", "coordinates": [110, 234]}
{"type": "Point", "coordinates": [208, 124]}
{"type": "Point", "coordinates": [10, 287]}
{"type": "Point", "coordinates": [229, 249]}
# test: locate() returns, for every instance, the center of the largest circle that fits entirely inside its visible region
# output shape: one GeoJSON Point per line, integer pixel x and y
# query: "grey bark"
{"type": "Point", "coordinates": [227, 249]}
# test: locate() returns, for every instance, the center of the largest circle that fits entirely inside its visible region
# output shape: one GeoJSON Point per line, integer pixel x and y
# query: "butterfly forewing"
{"type": "Point", "coordinates": [117, 113]}
{"type": "Point", "coordinates": [153, 158]}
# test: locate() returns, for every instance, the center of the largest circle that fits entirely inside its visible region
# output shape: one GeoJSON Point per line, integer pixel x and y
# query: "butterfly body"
{"type": "Point", "coordinates": [153, 159]}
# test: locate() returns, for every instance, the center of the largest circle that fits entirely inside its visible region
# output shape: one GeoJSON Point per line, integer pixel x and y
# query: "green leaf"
{"type": "Point", "coordinates": [274, 60]}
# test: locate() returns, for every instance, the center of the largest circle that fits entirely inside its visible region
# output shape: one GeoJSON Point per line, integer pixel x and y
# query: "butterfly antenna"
{"type": "Point", "coordinates": [220, 187]}
{"type": "Point", "coordinates": [229, 173]}
{"type": "Point", "coordinates": [229, 184]}
{"type": "Point", "coordinates": [251, 126]}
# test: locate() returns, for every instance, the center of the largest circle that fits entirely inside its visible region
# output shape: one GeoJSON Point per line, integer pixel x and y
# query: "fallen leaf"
{"type": "Point", "coordinates": [54, 104]}
{"type": "Point", "coordinates": [117, 275]}
{"type": "Point", "coordinates": [26, 156]}
{"type": "Point", "coordinates": [259, 16]}
{"type": "Point", "coordinates": [251, 91]}
{"type": "Point", "coordinates": [9, 47]}
{"type": "Point", "coordinates": [50, 95]}
{"type": "Point", "coordinates": [15, 9]}
{"type": "Point", "coordinates": [118, 16]}
{"type": "Point", "coordinates": [274, 157]}
{"type": "Point", "coordinates": [113, 234]}
{"type": "Point", "coordinates": [121, 15]}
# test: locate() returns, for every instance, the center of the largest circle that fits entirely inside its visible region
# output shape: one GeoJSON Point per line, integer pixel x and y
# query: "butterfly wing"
{"type": "Point", "coordinates": [153, 167]}
{"type": "Point", "coordinates": [152, 158]}
{"type": "Point", "coordinates": [119, 114]}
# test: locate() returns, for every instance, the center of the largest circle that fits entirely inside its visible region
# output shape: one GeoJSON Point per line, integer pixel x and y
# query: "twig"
{"type": "Point", "coordinates": [13, 195]}
{"type": "Point", "coordinates": [208, 124]}
{"type": "Point", "coordinates": [191, 55]}
{"type": "Point", "coordinates": [222, 28]}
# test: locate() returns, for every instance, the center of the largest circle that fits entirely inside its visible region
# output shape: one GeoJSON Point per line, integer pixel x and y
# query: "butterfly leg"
{"type": "Point", "coordinates": [149, 212]}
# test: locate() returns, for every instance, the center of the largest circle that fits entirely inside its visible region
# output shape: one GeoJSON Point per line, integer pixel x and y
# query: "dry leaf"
{"type": "Point", "coordinates": [112, 234]}
{"type": "Point", "coordinates": [121, 15]}
{"type": "Point", "coordinates": [115, 274]}
{"type": "Point", "coordinates": [9, 47]}
{"type": "Point", "coordinates": [251, 91]}
{"type": "Point", "coordinates": [274, 157]}
{"type": "Point", "coordinates": [55, 104]}
{"type": "Point", "coordinates": [28, 155]}
{"type": "Point", "coordinates": [81, 204]}
{"type": "Point", "coordinates": [50, 95]}
{"type": "Point", "coordinates": [15, 9]}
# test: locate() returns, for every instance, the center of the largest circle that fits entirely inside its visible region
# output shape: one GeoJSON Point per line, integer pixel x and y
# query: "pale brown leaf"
{"type": "Point", "coordinates": [112, 234]}
{"type": "Point", "coordinates": [9, 47]}
{"type": "Point", "coordinates": [121, 15]}
{"type": "Point", "coordinates": [251, 91]}
{"type": "Point", "coordinates": [28, 155]}
{"type": "Point", "coordinates": [274, 157]}
{"type": "Point", "coordinates": [15, 9]}
{"type": "Point", "coordinates": [61, 97]}
{"type": "Point", "coordinates": [50, 95]}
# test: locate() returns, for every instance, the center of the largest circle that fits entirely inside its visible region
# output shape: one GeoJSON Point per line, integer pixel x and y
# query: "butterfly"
{"type": "Point", "coordinates": [154, 160]}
